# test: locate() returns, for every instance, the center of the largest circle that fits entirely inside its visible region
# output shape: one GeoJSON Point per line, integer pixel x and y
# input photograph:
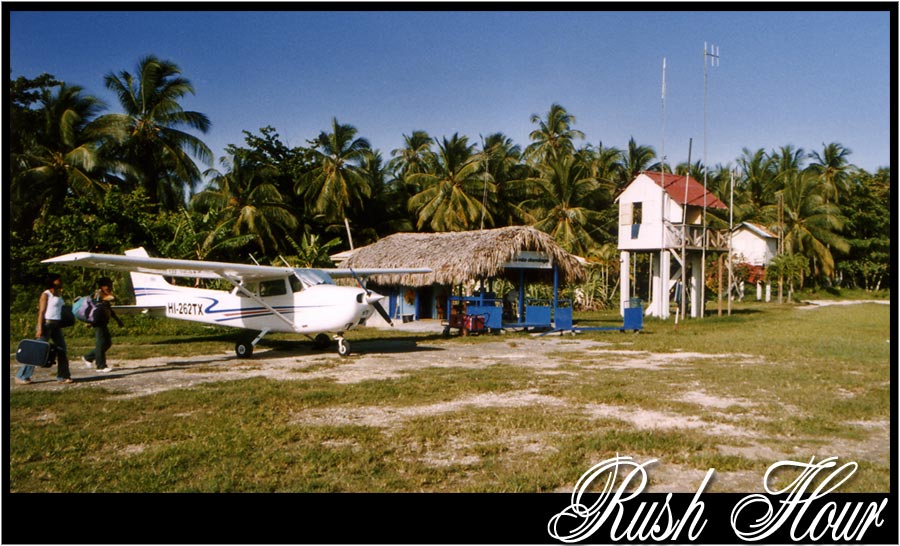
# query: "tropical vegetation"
{"type": "Point", "coordinates": [84, 175]}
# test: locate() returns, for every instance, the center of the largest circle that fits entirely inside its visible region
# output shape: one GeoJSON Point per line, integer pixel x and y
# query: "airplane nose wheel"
{"type": "Point", "coordinates": [343, 346]}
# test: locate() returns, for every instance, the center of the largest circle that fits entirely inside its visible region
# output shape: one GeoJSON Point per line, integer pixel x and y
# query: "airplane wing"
{"type": "Point", "coordinates": [205, 270]}
{"type": "Point", "coordinates": [341, 273]}
{"type": "Point", "coordinates": [173, 268]}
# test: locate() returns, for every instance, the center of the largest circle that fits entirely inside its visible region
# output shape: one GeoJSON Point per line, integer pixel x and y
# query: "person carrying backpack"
{"type": "Point", "coordinates": [102, 338]}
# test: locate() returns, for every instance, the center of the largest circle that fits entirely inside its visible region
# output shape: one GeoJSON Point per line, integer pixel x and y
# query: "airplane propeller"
{"type": "Point", "coordinates": [378, 307]}
{"type": "Point", "coordinates": [374, 302]}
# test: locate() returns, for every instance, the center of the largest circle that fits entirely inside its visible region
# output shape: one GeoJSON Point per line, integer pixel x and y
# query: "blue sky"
{"type": "Point", "coordinates": [801, 78]}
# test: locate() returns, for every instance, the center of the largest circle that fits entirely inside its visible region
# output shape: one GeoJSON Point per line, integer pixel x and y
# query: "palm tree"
{"type": "Point", "coordinates": [607, 164]}
{"type": "Point", "coordinates": [63, 158]}
{"type": "Point", "coordinates": [833, 168]}
{"type": "Point", "coordinates": [637, 159]}
{"type": "Point", "coordinates": [157, 147]}
{"type": "Point", "coordinates": [563, 196]}
{"type": "Point", "coordinates": [205, 236]}
{"type": "Point", "coordinates": [554, 135]}
{"type": "Point", "coordinates": [718, 182]}
{"type": "Point", "coordinates": [338, 180]}
{"type": "Point", "coordinates": [758, 184]}
{"type": "Point", "coordinates": [413, 156]}
{"type": "Point", "coordinates": [694, 170]}
{"type": "Point", "coordinates": [383, 211]}
{"type": "Point", "coordinates": [788, 159]}
{"type": "Point", "coordinates": [451, 198]}
{"type": "Point", "coordinates": [502, 159]}
{"type": "Point", "coordinates": [248, 198]}
{"type": "Point", "coordinates": [811, 224]}
{"type": "Point", "coordinates": [416, 156]}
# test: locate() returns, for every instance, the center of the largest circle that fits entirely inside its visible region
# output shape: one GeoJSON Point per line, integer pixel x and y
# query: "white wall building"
{"type": "Point", "coordinates": [754, 245]}
{"type": "Point", "coordinates": [662, 214]}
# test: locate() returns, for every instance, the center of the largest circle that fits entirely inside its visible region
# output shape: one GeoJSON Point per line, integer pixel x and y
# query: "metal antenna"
{"type": "Point", "coordinates": [664, 122]}
{"type": "Point", "coordinates": [713, 55]}
{"type": "Point", "coordinates": [662, 225]}
{"type": "Point", "coordinates": [486, 167]}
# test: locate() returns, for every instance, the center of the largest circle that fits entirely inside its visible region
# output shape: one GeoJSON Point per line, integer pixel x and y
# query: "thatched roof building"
{"type": "Point", "coordinates": [458, 257]}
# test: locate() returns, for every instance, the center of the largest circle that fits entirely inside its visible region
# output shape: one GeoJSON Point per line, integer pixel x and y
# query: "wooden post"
{"type": "Point", "coordinates": [719, 267]}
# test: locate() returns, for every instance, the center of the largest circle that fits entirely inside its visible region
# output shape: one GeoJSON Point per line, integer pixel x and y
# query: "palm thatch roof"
{"type": "Point", "coordinates": [458, 257]}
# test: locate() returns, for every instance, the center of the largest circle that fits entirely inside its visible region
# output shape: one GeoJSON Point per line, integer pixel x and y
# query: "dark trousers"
{"type": "Point", "coordinates": [53, 334]}
{"type": "Point", "coordinates": [102, 343]}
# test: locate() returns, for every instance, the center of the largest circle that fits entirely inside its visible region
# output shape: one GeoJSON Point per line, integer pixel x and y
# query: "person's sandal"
{"type": "Point", "coordinates": [66, 381]}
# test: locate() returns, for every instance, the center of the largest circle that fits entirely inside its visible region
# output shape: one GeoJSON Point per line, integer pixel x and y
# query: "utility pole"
{"type": "Point", "coordinates": [684, 233]}
{"type": "Point", "coordinates": [713, 56]}
{"type": "Point", "coordinates": [780, 243]}
{"type": "Point", "coordinates": [730, 242]}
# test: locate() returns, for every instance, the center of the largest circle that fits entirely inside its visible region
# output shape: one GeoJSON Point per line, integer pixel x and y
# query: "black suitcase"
{"type": "Point", "coordinates": [35, 352]}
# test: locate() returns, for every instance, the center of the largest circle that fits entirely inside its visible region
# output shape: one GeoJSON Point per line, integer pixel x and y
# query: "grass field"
{"type": "Point", "coordinates": [503, 413]}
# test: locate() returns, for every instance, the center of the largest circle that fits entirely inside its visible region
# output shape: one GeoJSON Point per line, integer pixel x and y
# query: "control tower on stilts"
{"type": "Point", "coordinates": [662, 215]}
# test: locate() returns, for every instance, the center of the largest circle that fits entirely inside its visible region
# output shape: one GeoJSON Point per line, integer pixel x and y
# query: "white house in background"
{"type": "Point", "coordinates": [754, 245]}
{"type": "Point", "coordinates": [657, 213]}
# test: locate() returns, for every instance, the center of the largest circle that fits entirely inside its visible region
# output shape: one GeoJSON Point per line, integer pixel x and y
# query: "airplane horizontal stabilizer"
{"type": "Point", "coordinates": [156, 310]}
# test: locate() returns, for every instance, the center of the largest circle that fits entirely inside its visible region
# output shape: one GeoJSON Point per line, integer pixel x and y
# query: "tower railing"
{"type": "Point", "coordinates": [693, 236]}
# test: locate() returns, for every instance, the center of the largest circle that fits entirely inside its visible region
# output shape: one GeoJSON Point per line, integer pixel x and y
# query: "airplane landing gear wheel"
{"type": "Point", "coordinates": [243, 349]}
{"type": "Point", "coordinates": [343, 347]}
{"type": "Point", "coordinates": [322, 341]}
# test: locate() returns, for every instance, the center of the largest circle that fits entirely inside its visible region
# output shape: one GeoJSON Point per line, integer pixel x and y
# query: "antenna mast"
{"type": "Point", "coordinates": [664, 122]}
{"type": "Point", "coordinates": [713, 55]}
{"type": "Point", "coordinates": [662, 225]}
{"type": "Point", "coordinates": [486, 174]}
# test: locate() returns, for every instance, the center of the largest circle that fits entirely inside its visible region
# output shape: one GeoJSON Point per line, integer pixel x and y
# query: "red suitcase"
{"type": "Point", "coordinates": [35, 352]}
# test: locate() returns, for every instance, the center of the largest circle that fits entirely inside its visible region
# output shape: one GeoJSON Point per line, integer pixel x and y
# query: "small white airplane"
{"type": "Point", "coordinates": [264, 298]}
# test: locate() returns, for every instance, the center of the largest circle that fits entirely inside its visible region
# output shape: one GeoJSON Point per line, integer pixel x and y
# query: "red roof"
{"type": "Point", "coordinates": [675, 184]}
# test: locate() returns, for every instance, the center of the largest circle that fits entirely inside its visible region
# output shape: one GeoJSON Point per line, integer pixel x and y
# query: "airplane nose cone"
{"type": "Point", "coordinates": [373, 298]}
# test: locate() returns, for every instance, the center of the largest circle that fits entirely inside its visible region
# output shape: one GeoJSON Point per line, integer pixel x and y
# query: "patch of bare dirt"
{"type": "Point", "coordinates": [815, 304]}
{"type": "Point", "coordinates": [642, 419]}
{"type": "Point", "coordinates": [388, 359]}
{"type": "Point", "coordinates": [389, 416]}
{"type": "Point", "coordinates": [645, 360]}
{"type": "Point", "coordinates": [702, 398]}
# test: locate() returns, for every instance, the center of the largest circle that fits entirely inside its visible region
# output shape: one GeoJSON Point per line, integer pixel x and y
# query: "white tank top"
{"type": "Point", "coordinates": [54, 306]}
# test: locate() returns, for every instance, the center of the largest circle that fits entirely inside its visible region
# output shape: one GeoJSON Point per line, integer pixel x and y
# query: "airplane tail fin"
{"type": "Point", "coordinates": [149, 289]}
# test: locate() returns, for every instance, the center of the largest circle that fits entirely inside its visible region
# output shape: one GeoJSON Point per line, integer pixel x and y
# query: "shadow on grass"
{"type": "Point", "coordinates": [740, 312]}
{"type": "Point", "coordinates": [278, 349]}
{"type": "Point", "coordinates": [185, 340]}
{"type": "Point", "coordinates": [359, 347]}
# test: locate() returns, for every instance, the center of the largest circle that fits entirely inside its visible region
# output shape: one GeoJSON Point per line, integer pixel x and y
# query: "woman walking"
{"type": "Point", "coordinates": [49, 328]}
{"type": "Point", "coordinates": [102, 338]}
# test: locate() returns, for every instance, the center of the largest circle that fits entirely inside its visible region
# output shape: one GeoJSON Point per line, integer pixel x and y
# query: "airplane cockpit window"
{"type": "Point", "coordinates": [296, 285]}
{"type": "Point", "coordinates": [272, 288]}
{"type": "Point", "coordinates": [312, 277]}
{"type": "Point", "coordinates": [249, 286]}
